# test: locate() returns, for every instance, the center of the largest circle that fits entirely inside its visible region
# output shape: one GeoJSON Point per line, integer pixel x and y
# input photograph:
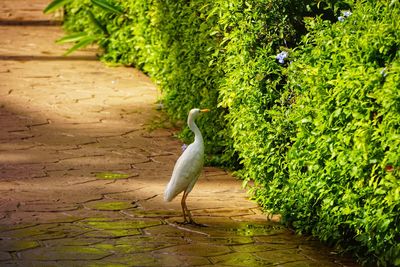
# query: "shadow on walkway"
{"type": "Point", "coordinates": [30, 23]}
{"type": "Point", "coordinates": [47, 58]}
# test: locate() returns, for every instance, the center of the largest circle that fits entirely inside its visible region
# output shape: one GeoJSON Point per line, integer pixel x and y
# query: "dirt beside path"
{"type": "Point", "coordinates": [82, 176]}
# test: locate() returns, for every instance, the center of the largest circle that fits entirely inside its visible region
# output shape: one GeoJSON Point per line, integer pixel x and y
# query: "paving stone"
{"type": "Point", "coordinates": [47, 207]}
{"type": "Point", "coordinates": [197, 249]}
{"type": "Point", "coordinates": [140, 213]}
{"type": "Point", "coordinates": [114, 229]}
{"type": "Point", "coordinates": [104, 224]}
{"type": "Point", "coordinates": [17, 245]}
{"type": "Point", "coordinates": [280, 256]}
{"type": "Point", "coordinates": [256, 247]}
{"type": "Point", "coordinates": [5, 256]}
{"type": "Point", "coordinates": [73, 241]}
{"type": "Point", "coordinates": [109, 205]}
{"type": "Point", "coordinates": [222, 212]}
{"type": "Point", "coordinates": [135, 259]}
{"type": "Point", "coordinates": [178, 260]}
{"type": "Point", "coordinates": [36, 232]}
{"type": "Point", "coordinates": [65, 253]}
{"type": "Point", "coordinates": [307, 264]}
{"type": "Point", "coordinates": [172, 232]}
{"type": "Point", "coordinates": [10, 227]}
{"type": "Point", "coordinates": [137, 244]}
{"type": "Point", "coordinates": [240, 259]}
{"type": "Point", "coordinates": [231, 240]}
{"type": "Point", "coordinates": [31, 263]}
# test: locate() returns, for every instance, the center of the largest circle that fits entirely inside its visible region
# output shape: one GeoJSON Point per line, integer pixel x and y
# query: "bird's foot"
{"type": "Point", "coordinates": [198, 224]}
{"type": "Point", "coordinates": [181, 223]}
{"type": "Point", "coordinates": [191, 222]}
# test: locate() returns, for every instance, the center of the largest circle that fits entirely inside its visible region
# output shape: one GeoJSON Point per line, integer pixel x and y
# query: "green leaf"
{"type": "Point", "coordinates": [81, 44]}
{"type": "Point", "coordinates": [75, 37]}
{"type": "Point", "coordinates": [56, 4]}
{"type": "Point", "coordinates": [97, 23]}
{"type": "Point", "coordinates": [107, 6]}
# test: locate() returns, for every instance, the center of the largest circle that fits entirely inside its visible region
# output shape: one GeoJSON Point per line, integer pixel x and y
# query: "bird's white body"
{"type": "Point", "coordinates": [188, 167]}
{"type": "Point", "coordinates": [186, 171]}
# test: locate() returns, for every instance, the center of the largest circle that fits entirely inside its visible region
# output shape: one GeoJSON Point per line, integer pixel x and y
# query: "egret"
{"type": "Point", "coordinates": [188, 167]}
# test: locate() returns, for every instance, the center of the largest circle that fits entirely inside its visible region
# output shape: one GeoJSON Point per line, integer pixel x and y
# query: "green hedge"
{"type": "Point", "coordinates": [345, 158]}
{"type": "Point", "coordinates": [318, 134]}
{"type": "Point", "coordinates": [174, 42]}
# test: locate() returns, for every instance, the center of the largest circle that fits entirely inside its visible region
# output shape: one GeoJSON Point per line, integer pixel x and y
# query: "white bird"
{"type": "Point", "coordinates": [188, 167]}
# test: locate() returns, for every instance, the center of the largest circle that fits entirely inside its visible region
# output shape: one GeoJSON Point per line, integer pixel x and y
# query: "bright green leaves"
{"type": "Point", "coordinates": [349, 132]}
{"type": "Point", "coordinates": [56, 4]}
{"type": "Point", "coordinates": [92, 28]}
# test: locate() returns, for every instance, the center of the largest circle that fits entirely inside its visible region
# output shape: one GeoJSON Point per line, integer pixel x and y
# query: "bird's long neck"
{"type": "Point", "coordinates": [192, 126]}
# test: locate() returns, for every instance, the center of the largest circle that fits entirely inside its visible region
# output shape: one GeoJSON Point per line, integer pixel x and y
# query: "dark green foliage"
{"type": "Point", "coordinates": [318, 134]}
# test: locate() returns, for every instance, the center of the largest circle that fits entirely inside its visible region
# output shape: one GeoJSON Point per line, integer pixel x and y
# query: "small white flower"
{"type": "Point", "coordinates": [383, 72]}
{"type": "Point", "coordinates": [347, 14]}
{"type": "Point", "coordinates": [281, 56]}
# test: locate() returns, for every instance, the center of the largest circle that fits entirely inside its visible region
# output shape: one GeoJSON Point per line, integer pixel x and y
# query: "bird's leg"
{"type": "Point", "coordinates": [187, 213]}
{"type": "Point", "coordinates": [183, 204]}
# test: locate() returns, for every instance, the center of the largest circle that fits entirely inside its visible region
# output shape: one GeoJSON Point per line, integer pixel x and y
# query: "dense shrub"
{"type": "Point", "coordinates": [317, 132]}
{"type": "Point", "coordinates": [344, 164]}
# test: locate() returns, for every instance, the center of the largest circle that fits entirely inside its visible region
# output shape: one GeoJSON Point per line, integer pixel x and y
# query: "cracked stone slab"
{"type": "Point", "coordinates": [240, 259]}
{"type": "Point", "coordinates": [36, 232]}
{"type": "Point", "coordinates": [141, 213]}
{"type": "Point", "coordinates": [65, 253]}
{"type": "Point", "coordinates": [116, 228]}
{"type": "Point", "coordinates": [17, 245]}
{"type": "Point", "coordinates": [5, 256]}
{"type": "Point", "coordinates": [197, 249]}
{"type": "Point", "coordinates": [21, 171]}
{"type": "Point", "coordinates": [105, 205]}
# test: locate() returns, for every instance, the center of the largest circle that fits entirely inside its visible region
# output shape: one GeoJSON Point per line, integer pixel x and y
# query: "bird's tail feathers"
{"type": "Point", "coordinates": [169, 194]}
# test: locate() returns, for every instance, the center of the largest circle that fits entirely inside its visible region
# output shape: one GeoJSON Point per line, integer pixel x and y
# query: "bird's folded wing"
{"type": "Point", "coordinates": [186, 171]}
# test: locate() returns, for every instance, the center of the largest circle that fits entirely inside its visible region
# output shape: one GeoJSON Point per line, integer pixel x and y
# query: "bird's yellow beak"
{"type": "Point", "coordinates": [204, 110]}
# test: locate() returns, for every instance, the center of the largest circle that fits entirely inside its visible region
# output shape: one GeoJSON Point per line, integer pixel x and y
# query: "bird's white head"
{"type": "Point", "coordinates": [196, 111]}
{"type": "Point", "coordinates": [193, 113]}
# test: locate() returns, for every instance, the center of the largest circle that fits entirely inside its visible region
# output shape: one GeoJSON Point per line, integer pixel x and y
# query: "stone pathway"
{"type": "Point", "coordinates": [84, 162]}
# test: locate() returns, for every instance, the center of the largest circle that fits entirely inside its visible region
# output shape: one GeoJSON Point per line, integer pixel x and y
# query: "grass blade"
{"type": "Point", "coordinates": [107, 6]}
{"type": "Point", "coordinates": [81, 44]}
{"type": "Point", "coordinates": [75, 37]}
{"type": "Point", "coordinates": [56, 4]}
